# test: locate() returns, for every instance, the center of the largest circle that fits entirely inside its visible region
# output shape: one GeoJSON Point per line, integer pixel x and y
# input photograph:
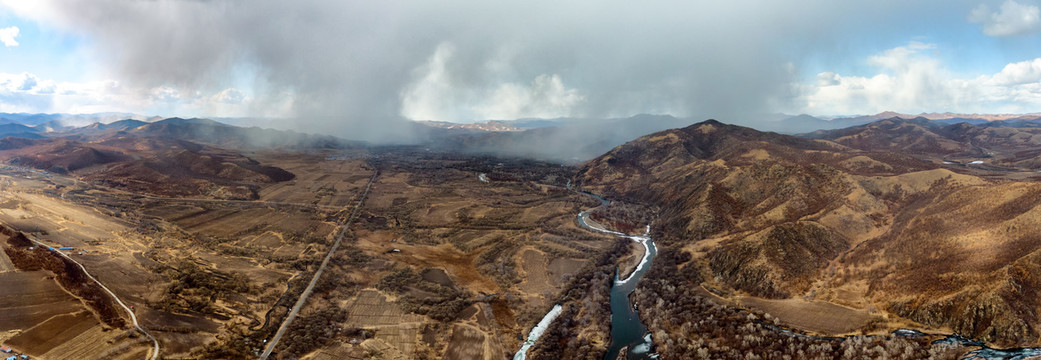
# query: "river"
{"type": "Point", "coordinates": [984, 352]}
{"type": "Point", "coordinates": [627, 331]}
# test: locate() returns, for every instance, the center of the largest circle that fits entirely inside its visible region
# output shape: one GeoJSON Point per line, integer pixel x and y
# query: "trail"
{"type": "Point", "coordinates": [133, 318]}
{"type": "Point", "coordinates": [318, 274]}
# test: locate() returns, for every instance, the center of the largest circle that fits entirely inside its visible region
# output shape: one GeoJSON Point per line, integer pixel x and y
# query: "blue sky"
{"type": "Point", "coordinates": [42, 50]}
{"type": "Point", "coordinates": [466, 60]}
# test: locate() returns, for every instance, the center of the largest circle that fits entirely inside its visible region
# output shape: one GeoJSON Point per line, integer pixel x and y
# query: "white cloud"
{"type": "Point", "coordinates": [906, 79]}
{"type": "Point", "coordinates": [827, 79]}
{"type": "Point", "coordinates": [545, 97]}
{"type": "Point", "coordinates": [26, 92]}
{"type": "Point", "coordinates": [1013, 19]}
{"type": "Point", "coordinates": [438, 93]}
{"type": "Point", "coordinates": [911, 80]}
{"type": "Point", "coordinates": [1019, 73]}
{"type": "Point", "coordinates": [229, 96]}
{"type": "Point", "coordinates": [17, 82]}
{"type": "Point", "coordinates": [8, 34]}
{"type": "Point", "coordinates": [165, 94]}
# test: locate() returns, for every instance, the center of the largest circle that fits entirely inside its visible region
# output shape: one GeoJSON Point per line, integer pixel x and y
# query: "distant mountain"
{"type": "Point", "coordinates": [126, 124]}
{"type": "Point", "coordinates": [947, 118]}
{"type": "Point", "coordinates": [570, 140]}
{"type": "Point", "coordinates": [19, 130]}
{"type": "Point", "coordinates": [152, 165]}
{"type": "Point", "coordinates": [806, 123]}
{"type": "Point", "coordinates": [1011, 144]}
{"type": "Point", "coordinates": [227, 136]}
{"type": "Point", "coordinates": [63, 120]}
{"type": "Point", "coordinates": [206, 131]}
{"type": "Point", "coordinates": [914, 136]}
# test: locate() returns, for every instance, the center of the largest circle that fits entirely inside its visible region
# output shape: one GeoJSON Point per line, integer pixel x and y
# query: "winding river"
{"type": "Point", "coordinates": [627, 331]}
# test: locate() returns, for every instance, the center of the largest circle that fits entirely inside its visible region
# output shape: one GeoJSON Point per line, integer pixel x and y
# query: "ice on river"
{"type": "Point", "coordinates": [537, 331]}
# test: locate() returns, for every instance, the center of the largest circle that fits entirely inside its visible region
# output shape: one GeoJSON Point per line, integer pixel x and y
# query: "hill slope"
{"type": "Point", "coordinates": [775, 216]}
{"type": "Point", "coordinates": [153, 165]}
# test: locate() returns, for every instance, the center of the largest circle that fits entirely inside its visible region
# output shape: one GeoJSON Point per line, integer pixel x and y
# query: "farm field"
{"type": "Point", "coordinates": [216, 277]}
{"type": "Point", "coordinates": [437, 262]}
{"type": "Point", "coordinates": [30, 298]}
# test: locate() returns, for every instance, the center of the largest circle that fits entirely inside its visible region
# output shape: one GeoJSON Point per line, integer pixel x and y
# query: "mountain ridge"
{"type": "Point", "coordinates": [780, 217]}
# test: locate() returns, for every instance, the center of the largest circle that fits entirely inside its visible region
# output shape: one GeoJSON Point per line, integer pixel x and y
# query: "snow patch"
{"type": "Point", "coordinates": [537, 331]}
{"type": "Point", "coordinates": [646, 257]}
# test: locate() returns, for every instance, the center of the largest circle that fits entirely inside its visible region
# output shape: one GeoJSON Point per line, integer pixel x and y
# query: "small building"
{"type": "Point", "coordinates": [13, 357]}
{"type": "Point", "coordinates": [5, 349]}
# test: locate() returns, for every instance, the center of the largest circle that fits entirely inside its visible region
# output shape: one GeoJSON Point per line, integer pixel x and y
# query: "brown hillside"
{"type": "Point", "coordinates": [776, 216]}
{"type": "Point", "coordinates": [154, 165]}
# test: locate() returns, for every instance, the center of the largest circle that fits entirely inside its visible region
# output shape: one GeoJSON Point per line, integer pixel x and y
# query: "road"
{"type": "Point", "coordinates": [133, 318]}
{"type": "Point", "coordinates": [310, 287]}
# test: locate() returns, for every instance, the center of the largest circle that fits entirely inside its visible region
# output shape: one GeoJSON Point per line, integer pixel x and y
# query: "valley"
{"type": "Point", "coordinates": [436, 261]}
{"type": "Point", "coordinates": [764, 245]}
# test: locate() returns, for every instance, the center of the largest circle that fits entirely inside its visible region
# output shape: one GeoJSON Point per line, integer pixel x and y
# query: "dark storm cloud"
{"type": "Point", "coordinates": [354, 68]}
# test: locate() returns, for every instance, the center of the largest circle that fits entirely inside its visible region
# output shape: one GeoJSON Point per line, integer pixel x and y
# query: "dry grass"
{"type": "Point", "coordinates": [536, 280]}
{"type": "Point", "coordinates": [5, 263]}
{"type": "Point", "coordinates": [562, 268]}
{"type": "Point", "coordinates": [814, 316]}
{"type": "Point", "coordinates": [466, 343]}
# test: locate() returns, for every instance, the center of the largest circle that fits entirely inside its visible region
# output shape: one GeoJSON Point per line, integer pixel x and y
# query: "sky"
{"type": "Point", "coordinates": [362, 67]}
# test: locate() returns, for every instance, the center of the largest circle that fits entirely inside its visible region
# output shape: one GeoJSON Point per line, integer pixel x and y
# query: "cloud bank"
{"type": "Point", "coordinates": [1012, 19]}
{"type": "Point", "coordinates": [353, 67]}
{"type": "Point", "coordinates": [912, 79]}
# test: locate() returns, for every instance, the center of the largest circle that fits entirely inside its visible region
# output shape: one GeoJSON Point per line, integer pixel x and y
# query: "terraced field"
{"type": "Point", "coordinates": [32, 297]}
{"type": "Point", "coordinates": [397, 332]}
